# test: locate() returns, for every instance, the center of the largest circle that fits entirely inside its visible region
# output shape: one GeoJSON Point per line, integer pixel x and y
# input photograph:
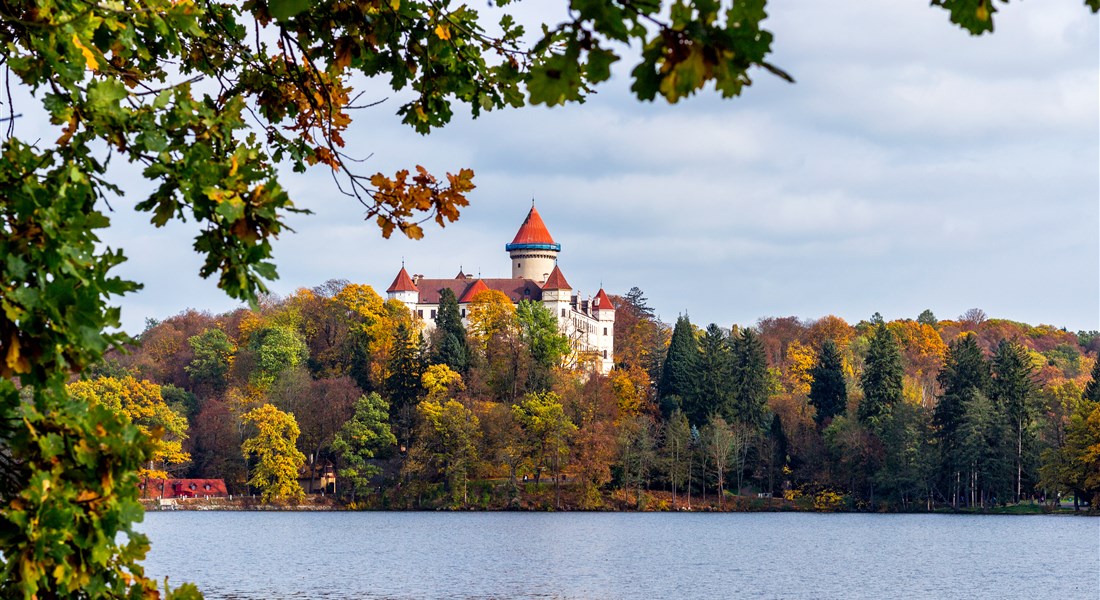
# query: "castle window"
{"type": "Point", "coordinates": [420, 314]}
{"type": "Point", "coordinates": [605, 333]}
{"type": "Point", "coordinates": [605, 353]}
{"type": "Point", "coordinates": [433, 314]}
{"type": "Point", "coordinates": [563, 312]}
{"type": "Point", "coordinates": [464, 313]}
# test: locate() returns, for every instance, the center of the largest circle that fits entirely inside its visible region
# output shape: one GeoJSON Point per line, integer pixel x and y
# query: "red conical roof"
{"type": "Point", "coordinates": [602, 302]}
{"type": "Point", "coordinates": [533, 230]}
{"type": "Point", "coordinates": [556, 281]}
{"type": "Point", "coordinates": [402, 283]}
{"type": "Point", "coordinates": [478, 286]}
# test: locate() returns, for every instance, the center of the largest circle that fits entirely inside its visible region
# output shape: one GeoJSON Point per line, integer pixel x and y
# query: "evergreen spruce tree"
{"type": "Point", "coordinates": [926, 317]}
{"type": "Point", "coordinates": [1092, 389]}
{"type": "Point", "coordinates": [1014, 393]}
{"type": "Point", "coordinates": [828, 390]}
{"type": "Point", "coordinates": [449, 342]}
{"type": "Point", "coordinates": [965, 377]}
{"type": "Point", "coordinates": [750, 380]}
{"type": "Point", "coordinates": [882, 376]}
{"type": "Point", "coordinates": [715, 375]}
{"type": "Point", "coordinates": [680, 375]}
{"type": "Point", "coordinates": [404, 370]}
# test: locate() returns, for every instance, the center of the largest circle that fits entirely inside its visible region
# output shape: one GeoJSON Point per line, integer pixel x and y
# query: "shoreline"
{"type": "Point", "coordinates": [330, 505]}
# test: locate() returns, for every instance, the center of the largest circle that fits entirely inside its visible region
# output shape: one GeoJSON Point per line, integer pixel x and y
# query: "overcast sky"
{"type": "Point", "coordinates": [912, 166]}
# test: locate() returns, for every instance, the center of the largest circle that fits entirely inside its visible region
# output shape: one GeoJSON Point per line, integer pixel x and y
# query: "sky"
{"type": "Point", "coordinates": [912, 166]}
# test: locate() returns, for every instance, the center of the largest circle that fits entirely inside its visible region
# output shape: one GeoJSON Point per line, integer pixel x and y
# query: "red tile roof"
{"type": "Point", "coordinates": [556, 281]}
{"type": "Point", "coordinates": [533, 230]}
{"type": "Point", "coordinates": [516, 289]}
{"type": "Point", "coordinates": [182, 488]}
{"type": "Point", "coordinates": [602, 302]}
{"type": "Point", "coordinates": [402, 283]}
{"type": "Point", "coordinates": [478, 286]}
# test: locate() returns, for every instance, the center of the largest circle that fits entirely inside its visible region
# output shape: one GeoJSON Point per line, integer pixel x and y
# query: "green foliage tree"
{"type": "Point", "coordinates": [277, 458]}
{"type": "Point", "coordinates": [365, 435]}
{"type": "Point", "coordinates": [679, 376]}
{"type": "Point", "coordinates": [449, 341]}
{"type": "Point", "coordinates": [750, 381]}
{"type": "Point", "coordinates": [882, 376]}
{"type": "Point", "coordinates": [965, 375]}
{"type": "Point", "coordinates": [547, 344]}
{"type": "Point", "coordinates": [638, 454]}
{"type": "Point", "coordinates": [676, 452]}
{"type": "Point", "coordinates": [1013, 390]}
{"type": "Point", "coordinates": [927, 317]}
{"type": "Point", "coordinates": [171, 87]}
{"type": "Point", "coordinates": [715, 373]}
{"type": "Point", "coordinates": [449, 440]}
{"type": "Point", "coordinates": [277, 349]}
{"type": "Point", "coordinates": [828, 388]}
{"type": "Point", "coordinates": [548, 431]}
{"type": "Point", "coordinates": [213, 352]}
{"type": "Point", "coordinates": [403, 381]}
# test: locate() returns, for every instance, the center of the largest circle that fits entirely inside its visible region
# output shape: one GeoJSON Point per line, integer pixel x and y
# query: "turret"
{"type": "Point", "coordinates": [533, 252]}
{"type": "Point", "coordinates": [404, 290]}
{"type": "Point", "coordinates": [604, 311]}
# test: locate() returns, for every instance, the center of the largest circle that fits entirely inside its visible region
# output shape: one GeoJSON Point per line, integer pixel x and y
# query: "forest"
{"type": "Point", "coordinates": [785, 414]}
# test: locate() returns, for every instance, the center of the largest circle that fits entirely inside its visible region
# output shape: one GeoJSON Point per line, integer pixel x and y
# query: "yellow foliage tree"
{"type": "Point", "coordinates": [491, 312]}
{"type": "Point", "coordinates": [441, 381]}
{"type": "Point", "coordinates": [800, 360]}
{"type": "Point", "coordinates": [142, 403]}
{"type": "Point", "coordinates": [277, 456]}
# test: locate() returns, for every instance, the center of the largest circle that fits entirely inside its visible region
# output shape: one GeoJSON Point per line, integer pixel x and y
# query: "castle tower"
{"type": "Point", "coordinates": [404, 290]}
{"type": "Point", "coordinates": [533, 252]}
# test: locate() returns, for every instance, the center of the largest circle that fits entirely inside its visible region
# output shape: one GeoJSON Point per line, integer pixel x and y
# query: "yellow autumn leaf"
{"type": "Point", "coordinates": [14, 360]}
{"type": "Point", "coordinates": [89, 56]}
{"type": "Point", "coordinates": [443, 32]}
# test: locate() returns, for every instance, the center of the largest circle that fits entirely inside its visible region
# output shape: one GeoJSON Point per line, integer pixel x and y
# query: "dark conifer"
{"type": "Point", "coordinates": [828, 390]}
{"type": "Point", "coordinates": [715, 375]}
{"type": "Point", "coordinates": [1092, 389]}
{"type": "Point", "coordinates": [679, 377]}
{"type": "Point", "coordinates": [750, 379]}
{"type": "Point", "coordinates": [882, 376]}
{"type": "Point", "coordinates": [1014, 393]}
{"type": "Point", "coordinates": [449, 342]}
{"type": "Point", "coordinates": [965, 379]}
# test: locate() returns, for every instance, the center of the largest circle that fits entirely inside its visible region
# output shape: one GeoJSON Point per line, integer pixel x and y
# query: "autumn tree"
{"type": "Point", "coordinates": [828, 389]}
{"type": "Point", "coordinates": [448, 441]}
{"type": "Point", "coordinates": [676, 452]}
{"type": "Point", "coordinates": [360, 439]}
{"type": "Point", "coordinates": [273, 448]}
{"type": "Point", "coordinates": [277, 349]}
{"type": "Point", "coordinates": [141, 402]}
{"type": "Point", "coordinates": [548, 430]}
{"type": "Point", "coordinates": [638, 454]}
{"type": "Point", "coordinates": [198, 97]}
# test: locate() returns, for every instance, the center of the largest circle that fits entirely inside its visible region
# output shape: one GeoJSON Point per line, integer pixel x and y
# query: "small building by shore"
{"type": "Point", "coordinates": [182, 488]}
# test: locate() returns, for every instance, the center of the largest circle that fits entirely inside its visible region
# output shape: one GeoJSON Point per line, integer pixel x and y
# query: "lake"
{"type": "Point", "coordinates": [393, 555]}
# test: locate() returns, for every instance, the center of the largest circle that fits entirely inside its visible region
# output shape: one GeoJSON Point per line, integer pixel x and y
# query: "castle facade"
{"type": "Point", "coordinates": [589, 323]}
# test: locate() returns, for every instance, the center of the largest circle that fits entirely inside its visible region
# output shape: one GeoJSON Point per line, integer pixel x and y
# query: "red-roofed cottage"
{"type": "Point", "coordinates": [589, 323]}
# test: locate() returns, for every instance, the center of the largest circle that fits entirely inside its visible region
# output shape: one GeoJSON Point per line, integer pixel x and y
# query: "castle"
{"type": "Point", "coordinates": [589, 323]}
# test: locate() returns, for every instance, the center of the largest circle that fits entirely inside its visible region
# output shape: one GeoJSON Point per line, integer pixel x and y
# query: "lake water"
{"type": "Point", "coordinates": [390, 555]}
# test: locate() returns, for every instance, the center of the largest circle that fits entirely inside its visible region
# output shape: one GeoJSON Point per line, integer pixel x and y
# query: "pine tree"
{"type": "Point", "coordinates": [750, 379]}
{"type": "Point", "coordinates": [679, 377]}
{"type": "Point", "coordinates": [1092, 389]}
{"type": "Point", "coordinates": [449, 347]}
{"type": "Point", "coordinates": [715, 375]}
{"type": "Point", "coordinates": [405, 368]}
{"type": "Point", "coordinates": [828, 390]}
{"type": "Point", "coordinates": [965, 376]}
{"type": "Point", "coordinates": [1014, 393]}
{"type": "Point", "coordinates": [882, 376]}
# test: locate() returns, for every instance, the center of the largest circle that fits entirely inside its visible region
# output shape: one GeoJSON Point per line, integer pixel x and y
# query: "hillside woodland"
{"type": "Point", "coordinates": [906, 415]}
